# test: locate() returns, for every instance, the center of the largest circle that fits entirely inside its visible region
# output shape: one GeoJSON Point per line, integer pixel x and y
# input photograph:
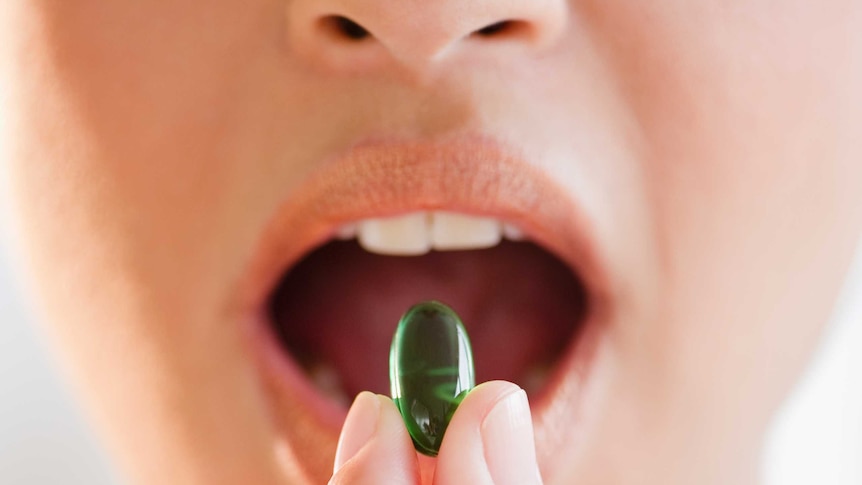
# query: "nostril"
{"type": "Point", "coordinates": [344, 27]}
{"type": "Point", "coordinates": [493, 29]}
{"type": "Point", "coordinates": [505, 27]}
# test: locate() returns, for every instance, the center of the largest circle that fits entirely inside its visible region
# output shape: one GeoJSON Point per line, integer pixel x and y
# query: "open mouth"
{"type": "Point", "coordinates": [393, 223]}
{"type": "Point", "coordinates": [336, 310]}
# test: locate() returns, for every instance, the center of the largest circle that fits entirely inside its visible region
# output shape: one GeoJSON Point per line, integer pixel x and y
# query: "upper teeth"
{"type": "Point", "coordinates": [419, 232]}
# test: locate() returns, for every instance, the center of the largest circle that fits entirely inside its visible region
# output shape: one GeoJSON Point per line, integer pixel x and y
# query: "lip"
{"type": "Point", "coordinates": [379, 177]}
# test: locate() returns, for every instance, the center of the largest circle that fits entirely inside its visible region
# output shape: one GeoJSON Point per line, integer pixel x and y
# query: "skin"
{"type": "Point", "coordinates": [713, 146]}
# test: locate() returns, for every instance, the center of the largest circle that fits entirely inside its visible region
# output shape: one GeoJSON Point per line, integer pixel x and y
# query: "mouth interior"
{"type": "Point", "coordinates": [335, 312]}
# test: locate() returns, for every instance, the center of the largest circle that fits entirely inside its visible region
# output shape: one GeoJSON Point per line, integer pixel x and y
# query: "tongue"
{"type": "Point", "coordinates": [338, 308]}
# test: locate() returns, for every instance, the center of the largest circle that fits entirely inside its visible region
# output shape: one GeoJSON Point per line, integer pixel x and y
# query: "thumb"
{"type": "Point", "coordinates": [374, 446]}
{"type": "Point", "coordinates": [490, 440]}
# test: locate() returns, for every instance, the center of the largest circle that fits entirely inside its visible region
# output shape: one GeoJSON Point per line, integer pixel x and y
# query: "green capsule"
{"type": "Point", "coordinates": [430, 371]}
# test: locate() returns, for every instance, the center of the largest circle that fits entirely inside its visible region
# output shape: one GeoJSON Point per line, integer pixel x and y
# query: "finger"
{"type": "Point", "coordinates": [490, 440]}
{"type": "Point", "coordinates": [374, 446]}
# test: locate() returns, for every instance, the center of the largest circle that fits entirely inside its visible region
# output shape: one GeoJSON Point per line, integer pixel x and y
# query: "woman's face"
{"type": "Point", "coordinates": [692, 166]}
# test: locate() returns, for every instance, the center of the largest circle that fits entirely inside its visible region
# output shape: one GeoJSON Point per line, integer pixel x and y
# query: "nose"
{"type": "Point", "coordinates": [350, 33]}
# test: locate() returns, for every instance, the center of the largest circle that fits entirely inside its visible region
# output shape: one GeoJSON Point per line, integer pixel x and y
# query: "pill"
{"type": "Point", "coordinates": [430, 371]}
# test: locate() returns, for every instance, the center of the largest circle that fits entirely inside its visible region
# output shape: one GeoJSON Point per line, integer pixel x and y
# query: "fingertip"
{"type": "Point", "coordinates": [490, 439]}
{"type": "Point", "coordinates": [385, 455]}
{"type": "Point", "coordinates": [359, 427]}
{"type": "Point", "coordinates": [492, 392]}
{"type": "Point", "coordinates": [507, 435]}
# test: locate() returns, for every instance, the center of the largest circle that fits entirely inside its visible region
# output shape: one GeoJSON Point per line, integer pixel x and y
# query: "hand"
{"type": "Point", "coordinates": [488, 442]}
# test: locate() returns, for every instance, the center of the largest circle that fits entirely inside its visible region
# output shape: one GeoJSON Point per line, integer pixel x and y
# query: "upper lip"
{"type": "Point", "coordinates": [377, 177]}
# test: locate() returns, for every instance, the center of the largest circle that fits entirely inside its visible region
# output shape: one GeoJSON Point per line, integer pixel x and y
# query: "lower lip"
{"type": "Point", "coordinates": [287, 378]}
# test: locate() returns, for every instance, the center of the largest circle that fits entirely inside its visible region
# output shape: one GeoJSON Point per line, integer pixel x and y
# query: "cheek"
{"type": "Point", "coordinates": [129, 149]}
{"type": "Point", "coordinates": [748, 112]}
{"type": "Point", "coordinates": [146, 130]}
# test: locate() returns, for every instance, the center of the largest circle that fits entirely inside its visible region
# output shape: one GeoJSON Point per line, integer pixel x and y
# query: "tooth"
{"type": "Point", "coordinates": [327, 381]}
{"type": "Point", "coordinates": [512, 233]}
{"type": "Point", "coordinates": [398, 236]}
{"type": "Point", "coordinates": [346, 232]}
{"type": "Point", "coordinates": [451, 231]}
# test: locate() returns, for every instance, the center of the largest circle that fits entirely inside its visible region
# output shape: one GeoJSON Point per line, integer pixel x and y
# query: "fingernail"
{"type": "Point", "coordinates": [507, 435]}
{"type": "Point", "coordinates": [359, 427]}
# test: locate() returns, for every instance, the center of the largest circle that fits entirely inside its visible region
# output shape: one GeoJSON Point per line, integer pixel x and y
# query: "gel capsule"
{"type": "Point", "coordinates": [430, 371]}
